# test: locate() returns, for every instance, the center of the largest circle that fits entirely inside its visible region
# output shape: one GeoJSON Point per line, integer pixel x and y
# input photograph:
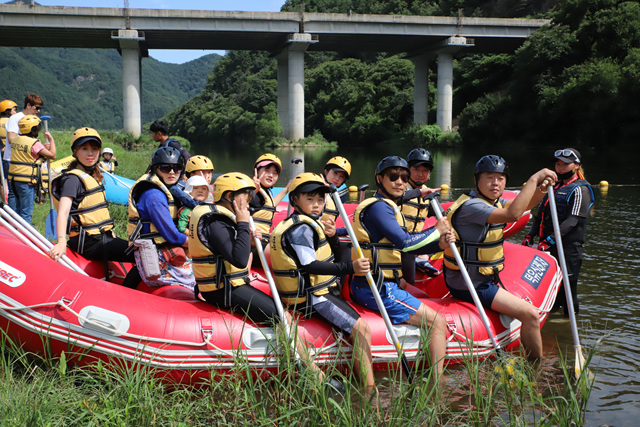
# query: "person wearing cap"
{"type": "Point", "coordinates": [7, 109]}
{"type": "Point", "coordinates": [574, 198]}
{"type": "Point", "coordinates": [27, 155]}
{"type": "Point", "coordinates": [198, 188]}
{"type": "Point", "coordinates": [378, 225]}
{"type": "Point", "coordinates": [79, 198]}
{"type": "Point", "coordinates": [266, 169]}
{"type": "Point", "coordinates": [415, 209]}
{"type": "Point", "coordinates": [306, 274]}
{"type": "Point", "coordinates": [109, 161]}
{"type": "Point", "coordinates": [478, 219]}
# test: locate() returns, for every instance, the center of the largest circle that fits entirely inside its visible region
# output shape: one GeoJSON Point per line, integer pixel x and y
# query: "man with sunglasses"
{"type": "Point", "coordinates": [153, 214]}
{"type": "Point", "coordinates": [379, 226]}
{"type": "Point", "coordinates": [32, 106]}
{"type": "Point", "coordinates": [574, 198]}
{"type": "Point", "coordinates": [479, 218]}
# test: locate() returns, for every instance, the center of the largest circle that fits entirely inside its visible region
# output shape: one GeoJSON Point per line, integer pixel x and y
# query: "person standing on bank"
{"type": "Point", "coordinates": [478, 219]}
{"type": "Point", "coordinates": [27, 154]}
{"type": "Point", "coordinates": [7, 109]}
{"type": "Point", "coordinates": [574, 198]}
{"type": "Point", "coordinates": [160, 133]}
{"type": "Point", "coordinates": [79, 198]}
{"type": "Point", "coordinates": [379, 227]}
{"type": "Point", "coordinates": [153, 216]}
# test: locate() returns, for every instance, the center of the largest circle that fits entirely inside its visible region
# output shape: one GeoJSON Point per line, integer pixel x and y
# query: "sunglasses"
{"type": "Point", "coordinates": [166, 168]}
{"type": "Point", "coordinates": [38, 107]}
{"type": "Point", "coordinates": [566, 153]}
{"type": "Point", "coordinates": [393, 176]}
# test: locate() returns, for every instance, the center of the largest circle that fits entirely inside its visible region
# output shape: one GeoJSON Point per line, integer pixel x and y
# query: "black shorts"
{"type": "Point", "coordinates": [337, 312]}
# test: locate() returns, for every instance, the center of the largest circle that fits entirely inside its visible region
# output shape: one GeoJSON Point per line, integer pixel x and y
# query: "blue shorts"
{"type": "Point", "coordinates": [486, 293]}
{"type": "Point", "coordinates": [399, 303]}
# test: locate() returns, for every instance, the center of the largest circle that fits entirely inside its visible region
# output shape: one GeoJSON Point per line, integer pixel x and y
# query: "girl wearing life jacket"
{"type": "Point", "coordinates": [306, 274]}
{"type": "Point", "coordinates": [153, 217]}
{"type": "Point", "coordinates": [479, 219]}
{"type": "Point", "coordinates": [27, 155]}
{"type": "Point", "coordinates": [380, 229]}
{"type": "Point", "coordinates": [108, 162]}
{"type": "Point", "coordinates": [79, 198]}
{"type": "Point", "coordinates": [574, 198]}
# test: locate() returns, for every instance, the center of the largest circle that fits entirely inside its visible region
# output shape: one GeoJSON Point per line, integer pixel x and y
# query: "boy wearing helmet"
{"type": "Point", "coordinates": [153, 214]}
{"type": "Point", "coordinates": [79, 198]}
{"type": "Point", "coordinates": [479, 219]}
{"type": "Point", "coordinates": [379, 227]}
{"type": "Point", "coordinates": [415, 209]}
{"type": "Point", "coordinates": [109, 161]}
{"type": "Point", "coordinates": [27, 154]}
{"type": "Point", "coordinates": [306, 274]}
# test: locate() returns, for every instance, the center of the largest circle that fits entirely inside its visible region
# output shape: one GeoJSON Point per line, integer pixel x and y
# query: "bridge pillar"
{"type": "Point", "coordinates": [131, 80]}
{"type": "Point", "coordinates": [444, 111]}
{"type": "Point", "coordinates": [291, 85]}
{"type": "Point", "coordinates": [420, 89]}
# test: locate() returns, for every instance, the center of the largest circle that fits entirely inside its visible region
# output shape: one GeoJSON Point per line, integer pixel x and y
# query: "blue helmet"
{"type": "Point", "coordinates": [492, 163]}
{"type": "Point", "coordinates": [420, 156]}
{"type": "Point", "coordinates": [391, 162]}
{"type": "Point", "coordinates": [169, 155]}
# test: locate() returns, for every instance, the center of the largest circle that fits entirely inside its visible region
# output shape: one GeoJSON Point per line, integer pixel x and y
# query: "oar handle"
{"type": "Point", "coordinates": [435, 205]}
{"type": "Point", "coordinates": [372, 284]}
{"type": "Point", "coordinates": [46, 119]}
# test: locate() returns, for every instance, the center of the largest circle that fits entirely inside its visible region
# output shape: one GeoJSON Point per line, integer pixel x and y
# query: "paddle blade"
{"type": "Point", "coordinates": [579, 362]}
{"type": "Point", "coordinates": [50, 225]}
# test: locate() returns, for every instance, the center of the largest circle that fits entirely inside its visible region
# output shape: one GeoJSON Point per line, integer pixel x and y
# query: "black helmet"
{"type": "Point", "coordinates": [168, 155]}
{"type": "Point", "coordinates": [492, 163]}
{"type": "Point", "coordinates": [420, 156]}
{"type": "Point", "coordinates": [391, 162]}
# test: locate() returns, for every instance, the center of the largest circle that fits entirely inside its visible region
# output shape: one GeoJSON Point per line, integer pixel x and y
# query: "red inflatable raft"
{"type": "Point", "coordinates": [47, 308]}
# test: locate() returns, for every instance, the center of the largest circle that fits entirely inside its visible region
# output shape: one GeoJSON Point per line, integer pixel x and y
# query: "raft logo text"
{"type": "Point", "coordinates": [10, 276]}
{"type": "Point", "coordinates": [535, 271]}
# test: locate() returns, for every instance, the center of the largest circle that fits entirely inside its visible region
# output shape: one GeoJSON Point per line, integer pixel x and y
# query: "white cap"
{"type": "Point", "coordinates": [195, 181]}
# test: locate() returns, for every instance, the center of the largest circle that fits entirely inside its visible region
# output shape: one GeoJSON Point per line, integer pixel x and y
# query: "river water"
{"type": "Point", "coordinates": [609, 287]}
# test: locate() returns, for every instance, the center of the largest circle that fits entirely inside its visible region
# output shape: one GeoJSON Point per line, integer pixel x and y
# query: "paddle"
{"type": "Point", "coordinates": [372, 284]}
{"type": "Point", "coordinates": [579, 364]}
{"type": "Point", "coordinates": [295, 162]}
{"type": "Point", "coordinates": [50, 222]}
{"type": "Point", "coordinates": [435, 205]}
{"type": "Point", "coordinates": [274, 290]}
{"type": "Point", "coordinates": [2, 181]}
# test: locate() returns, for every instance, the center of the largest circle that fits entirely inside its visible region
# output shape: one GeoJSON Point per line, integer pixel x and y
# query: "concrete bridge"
{"type": "Point", "coordinates": [287, 35]}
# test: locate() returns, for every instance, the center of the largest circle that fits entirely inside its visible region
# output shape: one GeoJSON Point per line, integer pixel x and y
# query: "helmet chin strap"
{"type": "Point", "coordinates": [384, 190]}
{"type": "Point", "coordinates": [416, 184]}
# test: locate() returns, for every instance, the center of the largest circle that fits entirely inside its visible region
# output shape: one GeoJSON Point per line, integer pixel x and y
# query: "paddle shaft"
{"type": "Point", "coordinates": [372, 285]}
{"type": "Point", "coordinates": [46, 129]}
{"type": "Point", "coordinates": [2, 180]}
{"type": "Point", "coordinates": [435, 204]}
{"type": "Point", "coordinates": [565, 276]}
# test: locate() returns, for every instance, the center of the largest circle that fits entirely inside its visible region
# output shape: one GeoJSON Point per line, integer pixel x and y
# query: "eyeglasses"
{"type": "Point", "coordinates": [166, 168]}
{"type": "Point", "coordinates": [393, 176]}
{"type": "Point", "coordinates": [567, 153]}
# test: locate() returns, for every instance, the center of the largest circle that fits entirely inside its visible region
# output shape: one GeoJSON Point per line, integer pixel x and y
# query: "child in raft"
{"type": "Point", "coordinates": [198, 188]}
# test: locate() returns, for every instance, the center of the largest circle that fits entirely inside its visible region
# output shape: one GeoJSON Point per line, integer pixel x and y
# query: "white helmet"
{"type": "Point", "coordinates": [107, 150]}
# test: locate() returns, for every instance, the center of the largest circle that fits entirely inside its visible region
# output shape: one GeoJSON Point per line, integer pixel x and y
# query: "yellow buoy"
{"type": "Point", "coordinates": [353, 189]}
{"type": "Point", "coordinates": [604, 183]}
{"type": "Point", "coordinates": [444, 187]}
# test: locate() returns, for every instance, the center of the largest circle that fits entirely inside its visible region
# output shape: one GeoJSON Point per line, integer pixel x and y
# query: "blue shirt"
{"type": "Point", "coordinates": [153, 205]}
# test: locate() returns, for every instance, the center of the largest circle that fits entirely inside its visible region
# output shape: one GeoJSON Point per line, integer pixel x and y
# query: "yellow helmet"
{"type": "Point", "coordinates": [82, 135]}
{"type": "Point", "coordinates": [231, 181]}
{"type": "Point", "coordinates": [339, 163]}
{"type": "Point", "coordinates": [27, 123]}
{"type": "Point", "coordinates": [197, 163]}
{"type": "Point", "coordinates": [266, 160]}
{"type": "Point", "coordinates": [307, 182]}
{"type": "Point", "coordinates": [7, 104]}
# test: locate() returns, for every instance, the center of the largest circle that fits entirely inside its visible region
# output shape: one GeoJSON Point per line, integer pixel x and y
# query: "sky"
{"type": "Point", "coordinates": [176, 56]}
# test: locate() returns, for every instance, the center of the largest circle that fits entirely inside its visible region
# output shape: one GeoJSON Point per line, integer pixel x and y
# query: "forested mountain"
{"type": "Point", "coordinates": [575, 82]}
{"type": "Point", "coordinates": [84, 87]}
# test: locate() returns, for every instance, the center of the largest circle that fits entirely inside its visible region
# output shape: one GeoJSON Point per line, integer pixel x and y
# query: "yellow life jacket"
{"type": "Point", "coordinates": [294, 285]}
{"type": "Point", "coordinates": [415, 213]}
{"type": "Point", "coordinates": [263, 218]}
{"type": "Point", "coordinates": [385, 259]}
{"type": "Point", "coordinates": [108, 166]}
{"type": "Point", "coordinates": [330, 209]}
{"type": "Point", "coordinates": [487, 255]}
{"type": "Point", "coordinates": [23, 168]}
{"type": "Point", "coordinates": [91, 215]}
{"type": "Point", "coordinates": [212, 272]}
{"type": "Point", "coordinates": [3, 132]}
{"type": "Point", "coordinates": [134, 229]}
